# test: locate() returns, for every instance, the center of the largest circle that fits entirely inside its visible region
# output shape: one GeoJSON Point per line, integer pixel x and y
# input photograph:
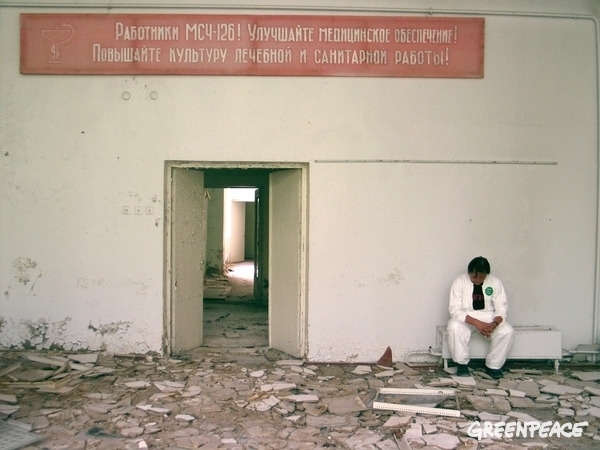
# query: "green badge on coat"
{"type": "Point", "coordinates": [489, 290]}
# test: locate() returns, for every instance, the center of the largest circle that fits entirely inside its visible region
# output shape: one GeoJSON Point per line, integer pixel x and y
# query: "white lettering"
{"type": "Point", "coordinates": [212, 32]}
{"type": "Point", "coordinates": [263, 56]}
{"type": "Point", "coordinates": [281, 34]}
{"type": "Point", "coordinates": [375, 57]}
{"type": "Point", "coordinates": [358, 35]}
{"type": "Point", "coordinates": [421, 58]}
{"type": "Point", "coordinates": [146, 32]}
{"type": "Point", "coordinates": [425, 36]}
{"type": "Point", "coordinates": [125, 54]}
{"type": "Point", "coordinates": [499, 430]}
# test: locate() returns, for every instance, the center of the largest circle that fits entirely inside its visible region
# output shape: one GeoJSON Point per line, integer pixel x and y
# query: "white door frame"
{"type": "Point", "coordinates": [167, 281]}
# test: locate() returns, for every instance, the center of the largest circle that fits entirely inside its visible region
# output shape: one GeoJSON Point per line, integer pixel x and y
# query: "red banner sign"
{"type": "Point", "coordinates": [167, 44]}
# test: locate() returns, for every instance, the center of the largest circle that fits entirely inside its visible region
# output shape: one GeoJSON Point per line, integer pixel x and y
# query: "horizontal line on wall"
{"type": "Point", "coordinates": [435, 161]}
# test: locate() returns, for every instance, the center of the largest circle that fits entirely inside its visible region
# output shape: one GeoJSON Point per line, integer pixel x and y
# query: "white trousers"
{"type": "Point", "coordinates": [459, 336]}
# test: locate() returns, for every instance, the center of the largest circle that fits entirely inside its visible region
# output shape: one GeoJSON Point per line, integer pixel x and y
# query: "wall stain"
{"type": "Point", "coordinates": [43, 334]}
{"type": "Point", "coordinates": [23, 268]}
{"type": "Point", "coordinates": [110, 328]}
{"type": "Point", "coordinates": [394, 277]}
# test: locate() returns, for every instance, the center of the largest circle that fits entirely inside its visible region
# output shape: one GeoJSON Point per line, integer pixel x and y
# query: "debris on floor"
{"type": "Point", "coordinates": [259, 398]}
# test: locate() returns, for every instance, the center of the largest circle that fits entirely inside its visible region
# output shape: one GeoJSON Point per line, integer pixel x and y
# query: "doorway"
{"type": "Point", "coordinates": [234, 317]}
{"type": "Point", "coordinates": [279, 272]}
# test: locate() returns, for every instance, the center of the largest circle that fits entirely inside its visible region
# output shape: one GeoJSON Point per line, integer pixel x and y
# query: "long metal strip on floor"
{"type": "Point", "coordinates": [416, 409]}
{"type": "Point", "coordinates": [399, 391]}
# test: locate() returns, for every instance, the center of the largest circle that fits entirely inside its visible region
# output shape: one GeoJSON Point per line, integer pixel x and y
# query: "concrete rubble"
{"type": "Point", "coordinates": [259, 398]}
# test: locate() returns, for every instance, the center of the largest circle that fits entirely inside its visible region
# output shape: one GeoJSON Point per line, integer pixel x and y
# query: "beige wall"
{"type": "Point", "coordinates": [385, 238]}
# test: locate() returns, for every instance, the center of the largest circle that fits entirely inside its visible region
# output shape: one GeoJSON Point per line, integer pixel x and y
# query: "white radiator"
{"type": "Point", "coordinates": [531, 342]}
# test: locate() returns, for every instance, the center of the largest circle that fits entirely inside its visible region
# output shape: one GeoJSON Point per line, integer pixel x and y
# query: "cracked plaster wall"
{"type": "Point", "coordinates": [385, 239]}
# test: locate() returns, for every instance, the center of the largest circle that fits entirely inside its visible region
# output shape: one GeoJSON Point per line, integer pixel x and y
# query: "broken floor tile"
{"type": "Point", "coordinates": [137, 384]}
{"type": "Point", "coordinates": [216, 389]}
{"type": "Point", "coordinates": [442, 440]}
{"type": "Point", "coordinates": [185, 417]}
{"type": "Point", "coordinates": [586, 376]}
{"type": "Point", "coordinates": [362, 370]}
{"type": "Point", "coordinates": [169, 386]}
{"type": "Point", "coordinates": [496, 392]}
{"type": "Point", "coordinates": [277, 386]}
{"type": "Point", "coordinates": [441, 382]}
{"type": "Point", "coordinates": [464, 381]}
{"type": "Point", "coordinates": [362, 439]}
{"type": "Point", "coordinates": [326, 421]}
{"type": "Point", "coordinates": [8, 410]}
{"type": "Point", "coordinates": [429, 428]}
{"type": "Point", "coordinates": [8, 398]}
{"type": "Point", "coordinates": [566, 412]}
{"type": "Point", "coordinates": [345, 405]}
{"type": "Point", "coordinates": [290, 362]}
{"type": "Point", "coordinates": [397, 421]}
{"type": "Point", "coordinates": [488, 417]}
{"type": "Point", "coordinates": [299, 398]}
{"type": "Point", "coordinates": [84, 358]}
{"type": "Point", "coordinates": [521, 402]}
{"type": "Point", "coordinates": [154, 409]}
{"type": "Point", "coordinates": [522, 416]}
{"type": "Point", "coordinates": [560, 389]}
{"type": "Point", "coordinates": [306, 434]}
{"type": "Point", "coordinates": [592, 390]}
{"type": "Point", "coordinates": [530, 388]}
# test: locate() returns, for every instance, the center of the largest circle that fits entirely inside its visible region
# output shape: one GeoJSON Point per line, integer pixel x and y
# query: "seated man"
{"type": "Point", "coordinates": [478, 303]}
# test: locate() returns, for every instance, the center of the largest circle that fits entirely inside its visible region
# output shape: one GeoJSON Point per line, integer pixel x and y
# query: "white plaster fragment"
{"type": "Point", "coordinates": [566, 412]}
{"type": "Point", "coordinates": [442, 440]}
{"type": "Point", "coordinates": [522, 416]}
{"type": "Point", "coordinates": [294, 419]}
{"type": "Point", "coordinates": [8, 398]}
{"type": "Point", "coordinates": [465, 381]}
{"type": "Point", "coordinates": [137, 384]}
{"type": "Point", "coordinates": [414, 432]}
{"type": "Point", "coordinates": [84, 358]}
{"type": "Point", "coordinates": [290, 362]}
{"type": "Point", "coordinates": [277, 386]}
{"type": "Point", "coordinates": [362, 370]}
{"type": "Point", "coordinates": [592, 390]}
{"type": "Point", "coordinates": [169, 386]}
{"type": "Point", "coordinates": [489, 417]}
{"type": "Point", "coordinates": [496, 392]}
{"type": "Point", "coordinates": [385, 374]}
{"type": "Point", "coordinates": [560, 389]}
{"type": "Point", "coordinates": [516, 393]}
{"type": "Point", "coordinates": [299, 398]}
{"type": "Point", "coordinates": [397, 421]}
{"type": "Point", "coordinates": [587, 376]}
{"type": "Point", "coordinates": [185, 417]}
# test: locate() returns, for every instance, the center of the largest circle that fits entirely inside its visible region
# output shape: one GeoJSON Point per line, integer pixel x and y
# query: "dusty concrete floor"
{"type": "Point", "coordinates": [257, 398]}
{"type": "Point", "coordinates": [236, 393]}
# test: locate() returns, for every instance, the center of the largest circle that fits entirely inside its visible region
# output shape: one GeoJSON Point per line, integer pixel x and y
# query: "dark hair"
{"type": "Point", "coordinates": [479, 265]}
